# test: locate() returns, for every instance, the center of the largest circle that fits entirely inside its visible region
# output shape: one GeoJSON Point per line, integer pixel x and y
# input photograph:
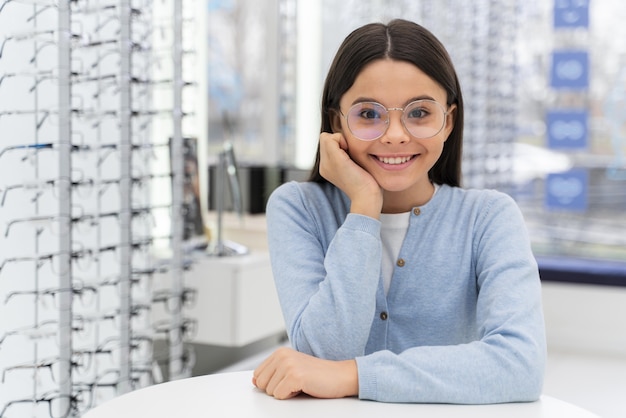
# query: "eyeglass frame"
{"type": "Point", "coordinates": [402, 118]}
{"type": "Point", "coordinates": [73, 402]}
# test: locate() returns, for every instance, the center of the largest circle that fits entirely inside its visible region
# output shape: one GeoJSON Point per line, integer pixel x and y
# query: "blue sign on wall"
{"type": "Point", "coordinates": [567, 129]}
{"type": "Point", "coordinates": [570, 70]}
{"type": "Point", "coordinates": [567, 191]}
{"type": "Point", "coordinates": [571, 14]}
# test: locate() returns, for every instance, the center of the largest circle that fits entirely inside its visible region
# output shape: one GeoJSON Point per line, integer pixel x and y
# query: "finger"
{"type": "Point", "coordinates": [283, 386]}
{"type": "Point", "coordinates": [343, 144]}
{"type": "Point", "coordinates": [263, 373]}
{"type": "Point", "coordinates": [330, 141]}
{"type": "Point", "coordinates": [333, 151]}
{"type": "Point", "coordinates": [274, 381]}
{"type": "Point", "coordinates": [286, 389]}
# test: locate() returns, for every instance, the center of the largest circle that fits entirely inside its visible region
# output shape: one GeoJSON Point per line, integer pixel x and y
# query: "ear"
{"type": "Point", "coordinates": [450, 118]}
{"type": "Point", "coordinates": [335, 121]}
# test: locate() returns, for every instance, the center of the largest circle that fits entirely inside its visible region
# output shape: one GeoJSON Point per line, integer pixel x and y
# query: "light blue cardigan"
{"type": "Point", "coordinates": [462, 321]}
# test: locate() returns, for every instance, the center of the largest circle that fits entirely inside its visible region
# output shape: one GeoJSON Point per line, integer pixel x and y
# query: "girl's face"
{"type": "Point", "coordinates": [398, 161]}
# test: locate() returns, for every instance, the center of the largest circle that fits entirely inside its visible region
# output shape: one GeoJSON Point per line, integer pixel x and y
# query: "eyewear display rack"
{"type": "Point", "coordinates": [487, 72]}
{"type": "Point", "coordinates": [95, 103]}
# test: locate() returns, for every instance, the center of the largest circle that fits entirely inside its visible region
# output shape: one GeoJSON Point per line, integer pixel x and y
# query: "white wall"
{"type": "Point", "coordinates": [585, 318]}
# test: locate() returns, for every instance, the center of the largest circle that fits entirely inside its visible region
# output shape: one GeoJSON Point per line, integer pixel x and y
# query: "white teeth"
{"type": "Point", "coordinates": [394, 160]}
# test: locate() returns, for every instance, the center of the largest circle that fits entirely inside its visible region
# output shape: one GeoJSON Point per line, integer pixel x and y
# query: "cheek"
{"type": "Point", "coordinates": [436, 149]}
{"type": "Point", "coordinates": [357, 149]}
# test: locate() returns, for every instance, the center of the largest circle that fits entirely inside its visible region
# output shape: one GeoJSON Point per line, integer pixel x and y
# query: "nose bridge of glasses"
{"type": "Point", "coordinates": [391, 110]}
{"type": "Point", "coordinates": [399, 125]}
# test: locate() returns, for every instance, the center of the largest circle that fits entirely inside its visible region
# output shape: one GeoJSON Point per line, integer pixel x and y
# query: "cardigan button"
{"type": "Point", "coordinates": [417, 211]}
{"type": "Point", "coordinates": [400, 262]}
{"type": "Point", "coordinates": [384, 316]}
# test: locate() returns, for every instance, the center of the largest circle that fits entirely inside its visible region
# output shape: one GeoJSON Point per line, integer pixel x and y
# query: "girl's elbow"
{"type": "Point", "coordinates": [529, 381]}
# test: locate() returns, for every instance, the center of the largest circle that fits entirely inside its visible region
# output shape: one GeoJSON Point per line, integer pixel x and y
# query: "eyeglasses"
{"type": "Point", "coordinates": [60, 406]}
{"type": "Point", "coordinates": [184, 331]}
{"type": "Point", "coordinates": [187, 298]}
{"type": "Point", "coordinates": [85, 294]}
{"type": "Point", "coordinates": [44, 329]}
{"type": "Point", "coordinates": [422, 119]}
{"type": "Point", "coordinates": [77, 362]}
{"type": "Point", "coordinates": [81, 187]}
{"type": "Point", "coordinates": [83, 258]}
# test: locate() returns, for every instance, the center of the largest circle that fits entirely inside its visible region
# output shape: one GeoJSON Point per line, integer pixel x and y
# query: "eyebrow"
{"type": "Point", "coordinates": [369, 99]}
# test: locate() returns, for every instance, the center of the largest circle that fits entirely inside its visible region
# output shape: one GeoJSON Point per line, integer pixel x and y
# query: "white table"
{"type": "Point", "coordinates": [233, 395]}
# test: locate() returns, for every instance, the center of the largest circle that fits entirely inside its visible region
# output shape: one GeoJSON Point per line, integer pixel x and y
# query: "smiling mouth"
{"type": "Point", "coordinates": [395, 160]}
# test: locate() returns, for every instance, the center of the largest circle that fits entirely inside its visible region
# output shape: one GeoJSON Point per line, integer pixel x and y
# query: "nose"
{"type": "Point", "coordinates": [396, 133]}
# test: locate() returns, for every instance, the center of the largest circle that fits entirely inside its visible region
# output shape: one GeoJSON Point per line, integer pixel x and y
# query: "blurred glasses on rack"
{"type": "Point", "coordinates": [82, 188]}
{"type": "Point", "coordinates": [94, 115]}
{"type": "Point", "coordinates": [137, 283]}
{"type": "Point", "coordinates": [110, 379]}
{"type": "Point", "coordinates": [78, 364]}
{"type": "Point", "coordinates": [140, 346]}
{"type": "Point", "coordinates": [44, 35]}
{"type": "Point", "coordinates": [145, 212]}
{"type": "Point", "coordinates": [54, 224]}
{"type": "Point", "coordinates": [39, 77]}
{"type": "Point", "coordinates": [171, 300]}
{"type": "Point", "coordinates": [85, 294]}
{"type": "Point", "coordinates": [186, 329]}
{"type": "Point", "coordinates": [87, 357]}
{"type": "Point", "coordinates": [38, 125]}
{"type": "Point", "coordinates": [134, 148]}
{"type": "Point", "coordinates": [34, 148]}
{"type": "Point", "coordinates": [104, 150]}
{"type": "Point", "coordinates": [138, 182]}
{"type": "Point", "coordinates": [39, 3]}
{"type": "Point", "coordinates": [79, 38]}
{"type": "Point", "coordinates": [83, 259]}
{"type": "Point", "coordinates": [59, 406]}
{"type": "Point", "coordinates": [188, 358]}
{"type": "Point", "coordinates": [150, 271]}
{"type": "Point", "coordinates": [137, 245]}
{"type": "Point", "coordinates": [44, 329]}
{"type": "Point", "coordinates": [88, 322]}
{"type": "Point", "coordinates": [112, 281]}
{"type": "Point", "coordinates": [90, 326]}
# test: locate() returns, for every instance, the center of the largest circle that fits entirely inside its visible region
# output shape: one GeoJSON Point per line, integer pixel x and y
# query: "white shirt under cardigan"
{"type": "Point", "coordinates": [462, 321]}
{"type": "Point", "coordinates": [393, 227]}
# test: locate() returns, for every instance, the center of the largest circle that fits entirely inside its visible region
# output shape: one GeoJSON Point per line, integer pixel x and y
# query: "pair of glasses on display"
{"type": "Point", "coordinates": [59, 405]}
{"type": "Point", "coordinates": [422, 119]}
{"type": "Point", "coordinates": [184, 331]}
{"type": "Point", "coordinates": [84, 293]}
{"type": "Point", "coordinates": [48, 329]}
{"type": "Point", "coordinates": [79, 363]}
{"type": "Point", "coordinates": [172, 300]}
{"type": "Point", "coordinates": [81, 188]}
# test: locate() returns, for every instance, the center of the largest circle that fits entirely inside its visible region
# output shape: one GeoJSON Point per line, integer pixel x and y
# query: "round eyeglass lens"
{"type": "Point", "coordinates": [368, 120]}
{"type": "Point", "coordinates": [424, 118]}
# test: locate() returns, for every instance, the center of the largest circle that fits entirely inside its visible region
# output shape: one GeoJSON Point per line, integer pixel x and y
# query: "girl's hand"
{"type": "Point", "coordinates": [287, 373]}
{"type": "Point", "coordinates": [337, 167]}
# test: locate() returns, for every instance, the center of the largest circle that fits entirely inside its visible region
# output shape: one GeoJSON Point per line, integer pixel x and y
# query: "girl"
{"type": "Point", "coordinates": [396, 284]}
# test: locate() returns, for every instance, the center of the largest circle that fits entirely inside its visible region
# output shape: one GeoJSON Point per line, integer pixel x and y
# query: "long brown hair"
{"type": "Point", "coordinates": [403, 41]}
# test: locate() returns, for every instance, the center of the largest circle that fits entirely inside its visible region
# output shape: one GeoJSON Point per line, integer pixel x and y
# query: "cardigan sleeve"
{"type": "Point", "coordinates": [506, 361]}
{"type": "Point", "coordinates": [327, 295]}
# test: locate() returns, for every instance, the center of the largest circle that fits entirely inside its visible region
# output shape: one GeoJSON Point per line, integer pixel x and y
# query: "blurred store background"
{"type": "Point", "coordinates": [139, 142]}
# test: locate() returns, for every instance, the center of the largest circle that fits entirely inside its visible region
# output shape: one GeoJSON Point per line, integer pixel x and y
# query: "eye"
{"type": "Point", "coordinates": [417, 113]}
{"type": "Point", "coordinates": [369, 114]}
